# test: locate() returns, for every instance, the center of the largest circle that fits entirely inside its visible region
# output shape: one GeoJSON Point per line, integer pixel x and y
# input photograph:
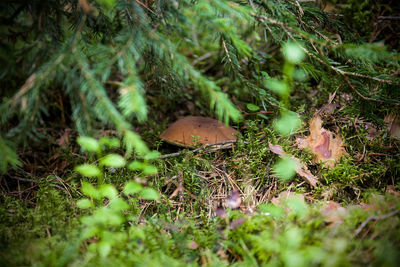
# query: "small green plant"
{"type": "Point", "coordinates": [289, 121]}
{"type": "Point", "coordinates": [110, 211]}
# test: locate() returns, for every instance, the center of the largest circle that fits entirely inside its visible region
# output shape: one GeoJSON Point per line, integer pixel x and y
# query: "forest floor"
{"type": "Point", "coordinates": [226, 206]}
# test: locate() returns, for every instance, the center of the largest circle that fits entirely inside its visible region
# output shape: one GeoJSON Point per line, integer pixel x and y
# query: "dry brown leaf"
{"type": "Point", "coordinates": [372, 131]}
{"type": "Point", "coordinates": [277, 149]}
{"type": "Point", "coordinates": [333, 213]}
{"type": "Point", "coordinates": [221, 212]}
{"type": "Point", "coordinates": [301, 169]}
{"type": "Point", "coordinates": [393, 122]}
{"type": "Point", "coordinates": [323, 144]}
{"type": "Point", "coordinates": [64, 140]}
{"type": "Point", "coordinates": [310, 178]}
{"type": "Point", "coordinates": [391, 190]}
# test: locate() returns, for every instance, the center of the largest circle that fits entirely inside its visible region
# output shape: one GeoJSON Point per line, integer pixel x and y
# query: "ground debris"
{"type": "Point", "coordinates": [325, 146]}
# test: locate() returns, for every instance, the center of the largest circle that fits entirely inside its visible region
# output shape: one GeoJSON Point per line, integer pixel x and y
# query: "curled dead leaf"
{"type": "Point", "coordinates": [325, 146]}
{"type": "Point", "coordinates": [393, 122]}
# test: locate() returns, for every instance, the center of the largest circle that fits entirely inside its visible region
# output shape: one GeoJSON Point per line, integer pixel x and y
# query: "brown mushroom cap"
{"type": "Point", "coordinates": [207, 131]}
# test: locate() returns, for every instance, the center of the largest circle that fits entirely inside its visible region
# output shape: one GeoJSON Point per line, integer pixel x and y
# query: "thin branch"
{"type": "Point", "coordinates": [143, 5]}
{"type": "Point", "coordinates": [376, 218]}
{"type": "Point", "coordinates": [389, 17]}
{"type": "Point", "coordinates": [259, 112]}
{"type": "Point", "coordinates": [23, 179]}
{"type": "Point", "coordinates": [358, 93]}
{"type": "Point", "coordinates": [226, 51]}
{"type": "Point", "coordinates": [287, 28]}
{"type": "Point", "coordinates": [205, 56]}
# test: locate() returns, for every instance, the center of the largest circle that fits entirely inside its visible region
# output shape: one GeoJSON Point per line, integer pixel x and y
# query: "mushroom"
{"type": "Point", "coordinates": [192, 130]}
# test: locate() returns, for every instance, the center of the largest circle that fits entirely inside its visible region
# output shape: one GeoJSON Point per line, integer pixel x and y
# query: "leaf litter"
{"type": "Point", "coordinates": [326, 146]}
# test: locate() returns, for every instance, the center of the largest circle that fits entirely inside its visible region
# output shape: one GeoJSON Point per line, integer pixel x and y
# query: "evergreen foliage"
{"type": "Point", "coordinates": [99, 58]}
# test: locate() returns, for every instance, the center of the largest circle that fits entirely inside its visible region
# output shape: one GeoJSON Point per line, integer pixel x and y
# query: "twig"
{"type": "Point", "coordinates": [36, 182]}
{"type": "Point", "coordinates": [205, 56]}
{"type": "Point", "coordinates": [376, 218]}
{"type": "Point", "coordinates": [23, 179]}
{"type": "Point", "coordinates": [143, 5]}
{"type": "Point", "coordinates": [287, 28]}
{"type": "Point", "coordinates": [358, 93]}
{"type": "Point", "coordinates": [259, 112]}
{"type": "Point", "coordinates": [63, 184]}
{"type": "Point", "coordinates": [226, 51]}
{"type": "Point", "coordinates": [389, 17]}
{"type": "Point", "coordinates": [188, 192]}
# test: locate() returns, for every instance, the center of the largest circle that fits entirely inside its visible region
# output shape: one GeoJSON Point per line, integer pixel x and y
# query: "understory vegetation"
{"type": "Point", "coordinates": [88, 86]}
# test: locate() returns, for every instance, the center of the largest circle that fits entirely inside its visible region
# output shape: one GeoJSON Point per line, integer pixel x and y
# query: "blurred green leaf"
{"type": "Point", "coordinates": [136, 165]}
{"type": "Point", "coordinates": [271, 210]}
{"type": "Point", "coordinates": [285, 168]}
{"type": "Point", "coordinates": [90, 191]}
{"type": "Point", "coordinates": [104, 248]}
{"type": "Point", "coordinates": [149, 170]}
{"type": "Point", "coordinates": [89, 231]}
{"type": "Point", "coordinates": [8, 155]}
{"type": "Point", "coordinates": [132, 188]}
{"type": "Point", "coordinates": [149, 194]}
{"type": "Point", "coordinates": [106, 3]}
{"type": "Point", "coordinates": [113, 160]}
{"type": "Point", "coordinates": [114, 219]}
{"type": "Point", "coordinates": [300, 75]}
{"type": "Point", "coordinates": [288, 123]}
{"type": "Point", "coordinates": [110, 142]}
{"type": "Point", "coordinates": [133, 141]}
{"type": "Point", "coordinates": [293, 53]}
{"type": "Point", "coordinates": [152, 155]}
{"type": "Point", "coordinates": [84, 203]}
{"type": "Point", "coordinates": [109, 191]}
{"type": "Point", "coordinates": [262, 116]}
{"type": "Point", "coordinates": [118, 204]}
{"type": "Point", "coordinates": [277, 86]}
{"type": "Point", "coordinates": [252, 107]}
{"type": "Point", "coordinates": [293, 236]}
{"type": "Point", "coordinates": [88, 143]}
{"type": "Point", "coordinates": [88, 170]}
{"type": "Point", "coordinates": [297, 206]}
